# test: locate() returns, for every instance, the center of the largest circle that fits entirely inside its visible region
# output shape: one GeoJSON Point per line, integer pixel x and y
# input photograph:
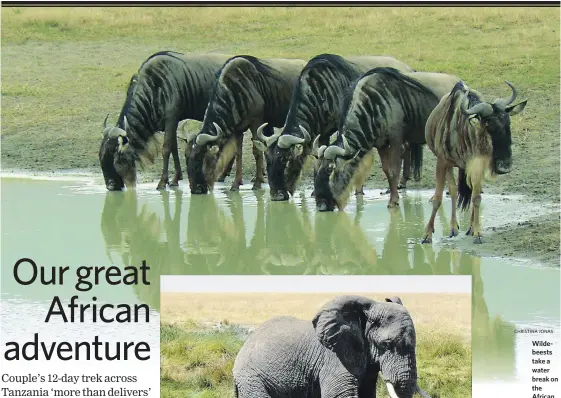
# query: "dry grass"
{"type": "Point", "coordinates": [436, 312]}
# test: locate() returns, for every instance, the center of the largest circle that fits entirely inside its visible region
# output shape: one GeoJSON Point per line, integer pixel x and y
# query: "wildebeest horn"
{"type": "Point", "coordinates": [483, 108]}
{"type": "Point", "coordinates": [287, 140]}
{"type": "Point", "coordinates": [203, 139]}
{"type": "Point", "coordinates": [321, 150]}
{"type": "Point", "coordinates": [267, 140]}
{"type": "Point", "coordinates": [315, 147]}
{"type": "Point", "coordinates": [307, 136]}
{"type": "Point", "coordinates": [333, 150]}
{"type": "Point", "coordinates": [126, 125]}
{"type": "Point", "coordinates": [504, 102]}
{"type": "Point", "coordinates": [105, 121]}
{"type": "Point", "coordinates": [218, 129]}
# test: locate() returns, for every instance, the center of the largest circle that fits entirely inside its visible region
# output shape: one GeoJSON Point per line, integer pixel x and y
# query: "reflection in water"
{"type": "Point", "coordinates": [239, 233]}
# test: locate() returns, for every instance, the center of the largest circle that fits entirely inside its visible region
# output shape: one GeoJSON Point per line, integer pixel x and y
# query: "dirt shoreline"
{"type": "Point", "coordinates": [535, 238]}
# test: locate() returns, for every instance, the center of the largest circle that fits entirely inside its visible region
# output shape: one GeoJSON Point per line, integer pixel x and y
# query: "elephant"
{"type": "Point", "coordinates": [338, 354]}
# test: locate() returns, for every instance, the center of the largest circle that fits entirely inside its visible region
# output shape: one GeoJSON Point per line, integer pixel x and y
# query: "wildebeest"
{"type": "Point", "coordinates": [248, 92]}
{"type": "Point", "coordinates": [466, 132]}
{"type": "Point", "coordinates": [384, 109]}
{"type": "Point", "coordinates": [315, 110]}
{"type": "Point", "coordinates": [169, 87]}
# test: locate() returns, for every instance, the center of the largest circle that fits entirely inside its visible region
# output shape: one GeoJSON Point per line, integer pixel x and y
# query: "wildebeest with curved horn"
{"type": "Point", "coordinates": [248, 92]}
{"type": "Point", "coordinates": [169, 87]}
{"type": "Point", "coordinates": [466, 132]}
{"type": "Point", "coordinates": [384, 109]}
{"type": "Point", "coordinates": [315, 110]}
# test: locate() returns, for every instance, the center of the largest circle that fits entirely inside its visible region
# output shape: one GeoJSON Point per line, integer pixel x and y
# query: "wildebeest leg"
{"type": "Point", "coordinates": [239, 150]}
{"type": "Point", "coordinates": [454, 227]}
{"type": "Point", "coordinates": [226, 172]}
{"type": "Point", "coordinates": [384, 159]}
{"type": "Point", "coordinates": [258, 155]}
{"type": "Point", "coordinates": [436, 199]}
{"type": "Point", "coordinates": [359, 189]}
{"type": "Point", "coordinates": [406, 167]}
{"type": "Point", "coordinates": [171, 126]}
{"type": "Point", "coordinates": [169, 137]}
{"type": "Point", "coordinates": [475, 224]}
{"type": "Point", "coordinates": [394, 172]}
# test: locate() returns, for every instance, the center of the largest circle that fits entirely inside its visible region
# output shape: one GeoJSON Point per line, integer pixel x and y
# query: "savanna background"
{"type": "Point", "coordinates": [202, 333]}
{"type": "Point", "coordinates": [65, 68]}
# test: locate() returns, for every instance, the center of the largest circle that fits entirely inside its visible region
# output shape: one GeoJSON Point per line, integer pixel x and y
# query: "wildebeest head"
{"type": "Point", "coordinates": [285, 155]}
{"type": "Point", "coordinates": [117, 158]}
{"type": "Point", "coordinates": [336, 169]}
{"type": "Point", "coordinates": [494, 119]}
{"type": "Point", "coordinates": [206, 158]}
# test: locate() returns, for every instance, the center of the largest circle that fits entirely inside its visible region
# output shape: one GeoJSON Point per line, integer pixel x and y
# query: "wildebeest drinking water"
{"type": "Point", "coordinates": [383, 109]}
{"type": "Point", "coordinates": [315, 110]}
{"type": "Point", "coordinates": [169, 87]}
{"type": "Point", "coordinates": [248, 92]}
{"type": "Point", "coordinates": [466, 132]}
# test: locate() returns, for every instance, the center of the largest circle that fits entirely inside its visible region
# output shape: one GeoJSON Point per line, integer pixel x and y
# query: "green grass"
{"type": "Point", "coordinates": [198, 362]}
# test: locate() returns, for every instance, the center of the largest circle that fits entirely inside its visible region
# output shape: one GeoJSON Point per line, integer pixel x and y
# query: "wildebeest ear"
{"type": "Point", "coordinates": [259, 145]}
{"type": "Point", "coordinates": [394, 299]}
{"type": "Point", "coordinates": [213, 150]}
{"type": "Point", "coordinates": [516, 109]}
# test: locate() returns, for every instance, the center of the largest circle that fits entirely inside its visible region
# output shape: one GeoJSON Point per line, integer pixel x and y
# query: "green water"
{"type": "Point", "coordinates": [77, 223]}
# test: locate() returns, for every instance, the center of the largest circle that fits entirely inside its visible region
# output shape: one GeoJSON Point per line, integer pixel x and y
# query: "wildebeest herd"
{"type": "Point", "coordinates": [333, 110]}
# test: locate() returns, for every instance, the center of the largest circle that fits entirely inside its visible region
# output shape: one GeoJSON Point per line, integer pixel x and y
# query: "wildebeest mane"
{"type": "Point", "coordinates": [266, 73]}
{"type": "Point", "coordinates": [150, 91]}
{"type": "Point", "coordinates": [324, 61]}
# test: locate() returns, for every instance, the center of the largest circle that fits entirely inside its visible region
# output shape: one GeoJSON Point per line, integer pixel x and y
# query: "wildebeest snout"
{"type": "Point", "coordinates": [503, 166]}
{"type": "Point", "coordinates": [199, 189]}
{"type": "Point", "coordinates": [279, 195]}
{"type": "Point", "coordinates": [324, 206]}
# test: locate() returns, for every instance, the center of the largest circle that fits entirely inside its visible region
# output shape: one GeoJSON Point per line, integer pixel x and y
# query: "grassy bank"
{"type": "Point", "coordinates": [197, 362]}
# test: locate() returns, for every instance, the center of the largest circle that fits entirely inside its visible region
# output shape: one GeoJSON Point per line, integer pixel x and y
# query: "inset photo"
{"type": "Point", "coordinates": [315, 336]}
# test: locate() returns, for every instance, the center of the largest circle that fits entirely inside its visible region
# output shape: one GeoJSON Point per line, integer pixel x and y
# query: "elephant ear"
{"type": "Point", "coordinates": [339, 326]}
{"type": "Point", "coordinates": [394, 299]}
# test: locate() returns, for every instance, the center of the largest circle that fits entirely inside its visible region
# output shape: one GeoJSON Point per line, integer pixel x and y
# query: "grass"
{"type": "Point", "coordinates": [197, 361]}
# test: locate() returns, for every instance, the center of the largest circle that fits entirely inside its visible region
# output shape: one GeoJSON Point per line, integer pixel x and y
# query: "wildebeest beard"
{"type": "Point", "coordinates": [207, 162]}
{"type": "Point", "coordinates": [498, 127]}
{"type": "Point", "coordinates": [335, 179]}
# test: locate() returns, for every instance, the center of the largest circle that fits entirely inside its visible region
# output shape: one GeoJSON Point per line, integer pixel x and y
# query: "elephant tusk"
{"type": "Point", "coordinates": [391, 390]}
{"type": "Point", "coordinates": [421, 392]}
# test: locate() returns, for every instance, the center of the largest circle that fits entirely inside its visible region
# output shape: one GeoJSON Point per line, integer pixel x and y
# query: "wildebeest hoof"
{"type": "Point", "coordinates": [469, 232]}
{"type": "Point", "coordinates": [417, 177]}
{"type": "Point", "coordinates": [359, 192]}
{"type": "Point", "coordinates": [234, 189]}
{"type": "Point", "coordinates": [162, 185]}
{"type": "Point", "coordinates": [256, 186]}
{"type": "Point", "coordinates": [220, 179]}
{"type": "Point", "coordinates": [393, 205]}
{"type": "Point", "coordinates": [401, 186]}
{"type": "Point", "coordinates": [478, 240]}
{"type": "Point", "coordinates": [313, 194]}
{"type": "Point", "coordinates": [453, 232]}
{"type": "Point", "coordinates": [426, 239]}
{"type": "Point", "coordinates": [385, 193]}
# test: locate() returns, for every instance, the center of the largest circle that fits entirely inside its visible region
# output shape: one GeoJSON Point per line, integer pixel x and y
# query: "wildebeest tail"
{"type": "Point", "coordinates": [416, 157]}
{"type": "Point", "coordinates": [236, 391]}
{"type": "Point", "coordinates": [464, 191]}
